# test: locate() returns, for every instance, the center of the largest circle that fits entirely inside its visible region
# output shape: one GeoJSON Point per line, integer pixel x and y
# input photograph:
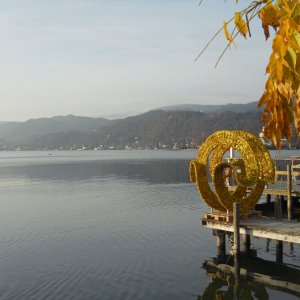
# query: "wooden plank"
{"type": "Point", "coordinates": [273, 191]}
{"type": "Point", "coordinates": [217, 216]}
{"type": "Point", "coordinates": [223, 217]}
{"type": "Point", "coordinates": [285, 173]}
{"type": "Point", "coordinates": [280, 192]}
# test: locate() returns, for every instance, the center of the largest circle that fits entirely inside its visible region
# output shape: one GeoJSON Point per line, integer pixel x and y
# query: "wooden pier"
{"type": "Point", "coordinates": [243, 264]}
{"type": "Point", "coordinates": [280, 230]}
{"type": "Point", "coordinates": [264, 227]}
{"type": "Point", "coordinates": [277, 218]}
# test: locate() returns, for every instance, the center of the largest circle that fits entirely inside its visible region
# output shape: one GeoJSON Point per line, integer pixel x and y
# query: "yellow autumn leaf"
{"type": "Point", "coordinates": [228, 35]}
{"type": "Point", "coordinates": [279, 46]}
{"type": "Point", "coordinates": [264, 99]}
{"type": "Point", "coordinates": [240, 24]}
{"type": "Point", "coordinates": [294, 25]}
{"type": "Point", "coordinates": [283, 90]}
{"type": "Point", "coordinates": [291, 58]}
{"type": "Point", "coordinates": [266, 31]}
{"type": "Point", "coordinates": [296, 38]}
{"type": "Point", "coordinates": [279, 72]}
{"type": "Point", "coordinates": [269, 17]}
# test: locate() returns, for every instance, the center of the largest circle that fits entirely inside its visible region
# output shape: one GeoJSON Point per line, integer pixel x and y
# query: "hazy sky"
{"type": "Point", "coordinates": [101, 57]}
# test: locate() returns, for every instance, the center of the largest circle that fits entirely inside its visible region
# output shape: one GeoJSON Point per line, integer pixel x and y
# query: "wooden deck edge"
{"type": "Point", "coordinates": [255, 230]}
{"type": "Point", "coordinates": [270, 191]}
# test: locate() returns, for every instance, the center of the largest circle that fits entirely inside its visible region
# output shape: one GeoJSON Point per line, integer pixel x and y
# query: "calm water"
{"type": "Point", "coordinates": [105, 225]}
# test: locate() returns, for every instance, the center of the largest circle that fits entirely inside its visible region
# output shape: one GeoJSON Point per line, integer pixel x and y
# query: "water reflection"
{"type": "Point", "coordinates": [248, 277]}
{"type": "Point", "coordinates": [94, 237]}
{"type": "Point", "coordinates": [151, 171]}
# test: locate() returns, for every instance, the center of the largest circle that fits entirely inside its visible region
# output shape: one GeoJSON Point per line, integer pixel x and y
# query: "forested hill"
{"type": "Point", "coordinates": [154, 129]}
{"type": "Point", "coordinates": [18, 131]}
{"type": "Point", "coordinates": [158, 128]}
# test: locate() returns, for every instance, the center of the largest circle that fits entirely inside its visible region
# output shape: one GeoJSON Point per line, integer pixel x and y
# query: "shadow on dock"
{"type": "Point", "coordinates": [248, 277]}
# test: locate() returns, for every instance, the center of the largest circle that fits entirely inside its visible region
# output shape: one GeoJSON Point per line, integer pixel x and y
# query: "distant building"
{"type": "Point", "coordinates": [285, 143]}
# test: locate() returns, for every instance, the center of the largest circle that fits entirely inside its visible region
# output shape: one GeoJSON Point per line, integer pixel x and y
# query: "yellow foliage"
{"type": "Point", "coordinates": [269, 15]}
{"type": "Point", "coordinates": [227, 35]}
{"type": "Point", "coordinates": [240, 24]}
{"type": "Point", "coordinates": [281, 96]}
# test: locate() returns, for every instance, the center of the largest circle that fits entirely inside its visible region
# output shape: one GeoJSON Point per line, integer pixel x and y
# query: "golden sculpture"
{"type": "Point", "coordinates": [252, 171]}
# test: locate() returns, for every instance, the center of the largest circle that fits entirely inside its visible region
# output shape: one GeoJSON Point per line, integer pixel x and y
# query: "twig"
{"type": "Point", "coordinates": [253, 7]}
{"type": "Point", "coordinates": [206, 46]}
{"type": "Point", "coordinates": [210, 41]}
{"type": "Point", "coordinates": [228, 45]}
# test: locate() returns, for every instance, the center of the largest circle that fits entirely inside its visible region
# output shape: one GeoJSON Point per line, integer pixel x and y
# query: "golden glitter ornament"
{"type": "Point", "coordinates": [253, 170]}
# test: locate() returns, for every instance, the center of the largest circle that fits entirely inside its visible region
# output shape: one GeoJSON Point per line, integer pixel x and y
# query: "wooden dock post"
{"type": "Point", "coordinates": [246, 243]}
{"type": "Point", "coordinates": [221, 243]}
{"type": "Point", "coordinates": [236, 248]}
{"type": "Point", "coordinates": [236, 228]}
{"type": "Point", "coordinates": [279, 251]}
{"type": "Point", "coordinates": [289, 193]}
{"type": "Point", "coordinates": [278, 207]}
{"type": "Point", "coordinates": [237, 278]}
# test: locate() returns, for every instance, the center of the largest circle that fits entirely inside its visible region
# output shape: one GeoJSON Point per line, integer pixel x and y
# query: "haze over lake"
{"type": "Point", "coordinates": [105, 225]}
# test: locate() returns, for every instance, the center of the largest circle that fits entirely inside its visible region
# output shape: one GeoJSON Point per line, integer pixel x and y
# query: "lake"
{"type": "Point", "coordinates": [106, 225]}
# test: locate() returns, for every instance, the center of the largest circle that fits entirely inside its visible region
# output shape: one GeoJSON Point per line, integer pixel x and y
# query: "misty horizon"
{"type": "Point", "coordinates": [125, 114]}
{"type": "Point", "coordinates": [109, 57]}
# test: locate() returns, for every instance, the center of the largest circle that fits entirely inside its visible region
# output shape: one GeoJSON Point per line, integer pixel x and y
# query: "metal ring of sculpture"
{"type": "Point", "coordinates": [252, 171]}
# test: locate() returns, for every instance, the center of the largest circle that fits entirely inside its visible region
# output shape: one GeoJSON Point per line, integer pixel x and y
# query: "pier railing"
{"type": "Point", "coordinates": [287, 178]}
{"type": "Point", "coordinates": [286, 186]}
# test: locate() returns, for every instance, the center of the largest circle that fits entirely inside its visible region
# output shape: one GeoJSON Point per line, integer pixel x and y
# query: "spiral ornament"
{"type": "Point", "coordinates": [251, 171]}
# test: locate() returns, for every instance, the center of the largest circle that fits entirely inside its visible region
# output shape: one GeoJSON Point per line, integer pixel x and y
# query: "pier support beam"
{"type": "Point", "coordinates": [221, 243]}
{"type": "Point", "coordinates": [237, 278]}
{"type": "Point", "coordinates": [246, 243]}
{"type": "Point", "coordinates": [279, 251]}
{"type": "Point", "coordinates": [278, 207]}
{"type": "Point", "coordinates": [236, 228]}
{"type": "Point", "coordinates": [289, 193]}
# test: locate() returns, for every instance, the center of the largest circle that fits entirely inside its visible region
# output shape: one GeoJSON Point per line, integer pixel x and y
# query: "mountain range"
{"type": "Point", "coordinates": [168, 127]}
{"type": "Point", "coordinates": [235, 107]}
